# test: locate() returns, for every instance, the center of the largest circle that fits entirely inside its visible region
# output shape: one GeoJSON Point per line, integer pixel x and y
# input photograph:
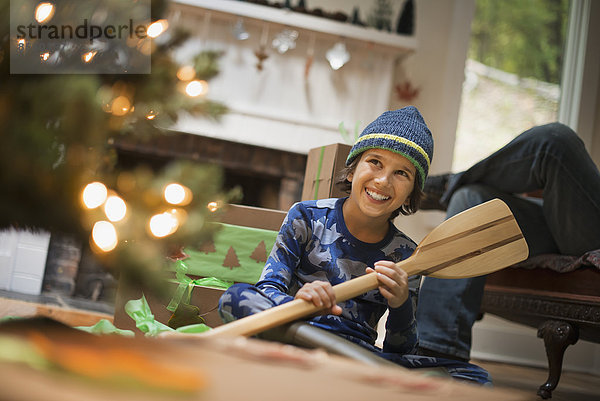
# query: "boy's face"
{"type": "Point", "coordinates": [381, 182]}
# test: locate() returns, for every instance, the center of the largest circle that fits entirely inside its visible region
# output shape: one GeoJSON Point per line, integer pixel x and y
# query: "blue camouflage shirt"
{"type": "Point", "coordinates": [314, 244]}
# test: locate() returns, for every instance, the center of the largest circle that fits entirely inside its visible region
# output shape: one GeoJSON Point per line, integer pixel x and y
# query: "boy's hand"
{"type": "Point", "coordinates": [393, 282]}
{"type": "Point", "coordinates": [321, 294]}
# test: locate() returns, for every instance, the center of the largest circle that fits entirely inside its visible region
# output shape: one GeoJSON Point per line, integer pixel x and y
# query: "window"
{"type": "Point", "coordinates": [512, 75]}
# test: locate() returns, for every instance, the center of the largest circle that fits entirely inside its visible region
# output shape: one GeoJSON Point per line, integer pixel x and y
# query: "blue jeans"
{"type": "Point", "coordinates": [551, 158]}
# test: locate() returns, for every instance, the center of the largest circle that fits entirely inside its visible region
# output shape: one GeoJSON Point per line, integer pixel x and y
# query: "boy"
{"type": "Point", "coordinates": [326, 242]}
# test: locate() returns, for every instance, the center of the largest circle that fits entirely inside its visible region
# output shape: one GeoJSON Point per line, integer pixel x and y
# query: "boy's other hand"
{"type": "Point", "coordinates": [321, 294]}
{"type": "Point", "coordinates": [393, 282]}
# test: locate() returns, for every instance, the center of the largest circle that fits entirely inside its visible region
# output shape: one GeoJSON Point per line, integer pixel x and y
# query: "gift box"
{"type": "Point", "coordinates": [236, 254]}
{"type": "Point", "coordinates": [322, 166]}
{"type": "Point", "coordinates": [205, 298]}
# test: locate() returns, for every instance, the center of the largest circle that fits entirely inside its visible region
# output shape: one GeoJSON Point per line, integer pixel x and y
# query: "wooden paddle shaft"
{"type": "Point", "coordinates": [293, 310]}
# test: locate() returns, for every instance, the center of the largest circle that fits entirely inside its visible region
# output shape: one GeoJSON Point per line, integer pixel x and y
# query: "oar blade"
{"type": "Point", "coordinates": [479, 241]}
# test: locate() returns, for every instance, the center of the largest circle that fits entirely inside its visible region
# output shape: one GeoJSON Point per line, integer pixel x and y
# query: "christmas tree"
{"type": "Point", "coordinates": [406, 23]}
{"type": "Point", "coordinates": [57, 135]}
{"type": "Point", "coordinates": [380, 16]}
{"type": "Point", "coordinates": [260, 253]}
{"type": "Point", "coordinates": [208, 247]}
{"type": "Point", "coordinates": [231, 259]}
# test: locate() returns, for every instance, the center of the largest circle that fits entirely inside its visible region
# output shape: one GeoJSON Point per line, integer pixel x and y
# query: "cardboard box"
{"type": "Point", "coordinates": [205, 298]}
{"type": "Point", "coordinates": [322, 166]}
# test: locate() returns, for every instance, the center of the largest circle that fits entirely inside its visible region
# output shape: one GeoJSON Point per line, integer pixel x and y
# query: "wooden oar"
{"type": "Point", "coordinates": [478, 241]}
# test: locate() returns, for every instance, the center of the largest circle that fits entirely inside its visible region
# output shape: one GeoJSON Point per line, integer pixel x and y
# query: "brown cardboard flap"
{"type": "Point", "coordinates": [255, 217]}
{"type": "Point", "coordinates": [322, 166]}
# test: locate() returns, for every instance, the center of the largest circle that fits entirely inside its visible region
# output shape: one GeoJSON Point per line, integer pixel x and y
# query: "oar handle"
{"type": "Point", "coordinates": [355, 287]}
{"type": "Point", "coordinates": [292, 310]}
{"type": "Point", "coordinates": [409, 266]}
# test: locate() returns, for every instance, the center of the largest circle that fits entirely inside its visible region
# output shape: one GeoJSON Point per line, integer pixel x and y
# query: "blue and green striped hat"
{"type": "Point", "coordinates": [401, 131]}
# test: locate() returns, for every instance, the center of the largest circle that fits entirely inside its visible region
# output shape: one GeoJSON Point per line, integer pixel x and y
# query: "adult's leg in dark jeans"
{"type": "Point", "coordinates": [448, 309]}
{"type": "Point", "coordinates": [551, 158]}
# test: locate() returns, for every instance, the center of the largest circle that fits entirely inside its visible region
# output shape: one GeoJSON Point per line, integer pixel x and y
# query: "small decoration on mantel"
{"type": "Point", "coordinates": [338, 56]}
{"type": "Point", "coordinates": [239, 30]}
{"type": "Point", "coordinates": [300, 7]}
{"type": "Point", "coordinates": [356, 18]}
{"type": "Point", "coordinates": [406, 92]}
{"type": "Point", "coordinates": [260, 2]}
{"type": "Point", "coordinates": [261, 52]}
{"type": "Point", "coordinates": [310, 55]}
{"type": "Point", "coordinates": [261, 55]}
{"type": "Point", "coordinates": [406, 24]}
{"type": "Point", "coordinates": [285, 40]}
{"type": "Point", "coordinates": [380, 17]}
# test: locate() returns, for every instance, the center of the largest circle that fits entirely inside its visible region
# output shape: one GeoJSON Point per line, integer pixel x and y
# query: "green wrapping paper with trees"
{"type": "Point", "coordinates": [235, 254]}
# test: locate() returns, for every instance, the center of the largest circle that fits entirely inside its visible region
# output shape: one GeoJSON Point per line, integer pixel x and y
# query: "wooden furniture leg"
{"type": "Point", "coordinates": [557, 335]}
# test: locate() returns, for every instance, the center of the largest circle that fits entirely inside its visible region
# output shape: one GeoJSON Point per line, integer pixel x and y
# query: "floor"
{"type": "Point", "coordinates": [573, 386]}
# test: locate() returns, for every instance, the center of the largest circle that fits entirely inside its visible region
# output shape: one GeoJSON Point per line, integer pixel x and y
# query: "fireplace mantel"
{"type": "Point", "coordinates": [400, 44]}
{"type": "Point", "coordinates": [295, 101]}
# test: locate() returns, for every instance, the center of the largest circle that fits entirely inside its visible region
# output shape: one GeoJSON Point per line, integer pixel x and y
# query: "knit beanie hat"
{"type": "Point", "coordinates": [401, 131]}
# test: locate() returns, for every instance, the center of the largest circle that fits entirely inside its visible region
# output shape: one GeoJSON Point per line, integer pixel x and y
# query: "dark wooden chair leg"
{"type": "Point", "coordinates": [557, 335]}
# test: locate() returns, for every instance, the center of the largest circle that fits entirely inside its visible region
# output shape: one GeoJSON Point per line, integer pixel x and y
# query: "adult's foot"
{"type": "Point", "coordinates": [435, 187]}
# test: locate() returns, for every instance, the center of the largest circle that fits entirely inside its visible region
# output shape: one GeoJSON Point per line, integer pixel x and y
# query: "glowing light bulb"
{"type": "Point", "coordinates": [196, 88]}
{"type": "Point", "coordinates": [120, 106]}
{"type": "Point", "coordinates": [115, 208]}
{"type": "Point", "coordinates": [337, 56]}
{"type": "Point", "coordinates": [94, 194]}
{"type": "Point", "coordinates": [177, 194]}
{"type": "Point", "coordinates": [43, 12]}
{"type": "Point", "coordinates": [104, 236]}
{"type": "Point", "coordinates": [45, 56]}
{"type": "Point", "coordinates": [186, 73]}
{"type": "Point", "coordinates": [89, 56]}
{"type": "Point", "coordinates": [163, 224]}
{"type": "Point", "coordinates": [180, 215]}
{"type": "Point", "coordinates": [156, 28]}
{"type": "Point", "coordinates": [212, 206]}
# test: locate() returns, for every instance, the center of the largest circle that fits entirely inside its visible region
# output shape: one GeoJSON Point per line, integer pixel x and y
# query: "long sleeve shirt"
{"type": "Point", "coordinates": [315, 244]}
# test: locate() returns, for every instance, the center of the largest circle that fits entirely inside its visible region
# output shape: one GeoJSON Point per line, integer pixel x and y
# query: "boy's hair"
{"type": "Point", "coordinates": [414, 199]}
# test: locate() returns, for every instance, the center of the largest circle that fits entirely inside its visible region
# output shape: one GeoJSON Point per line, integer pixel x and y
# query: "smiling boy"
{"type": "Point", "coordinates": [326, 242]}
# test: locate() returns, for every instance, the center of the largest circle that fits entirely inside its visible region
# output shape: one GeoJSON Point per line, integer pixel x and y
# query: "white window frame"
{"type": "Point", "coordinates": [580, 74]}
